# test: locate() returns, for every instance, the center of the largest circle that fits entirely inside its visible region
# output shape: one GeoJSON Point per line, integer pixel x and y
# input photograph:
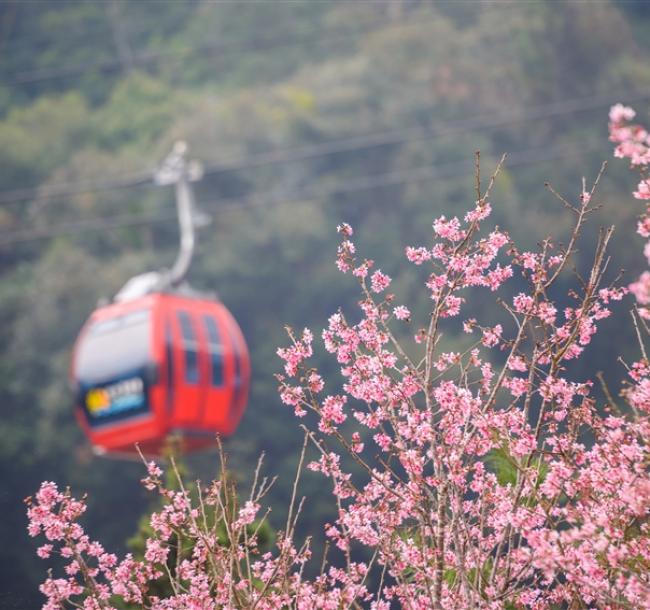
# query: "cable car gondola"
{"type": "Point", "coordinates": [161, 359]}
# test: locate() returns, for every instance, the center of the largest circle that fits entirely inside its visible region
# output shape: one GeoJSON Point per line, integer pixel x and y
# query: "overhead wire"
{"type": "Point", "coordinates": [366, 141]}
{"type": "Point", "coordinates": [372, 181]}
{"type": "Point", "coordinates": [410, 134]}
{"type": "Point", "coordinates": [70, 189]}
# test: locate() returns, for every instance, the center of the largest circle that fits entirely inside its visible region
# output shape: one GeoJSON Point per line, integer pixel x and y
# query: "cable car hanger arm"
{"type": "Point", "coordinates": [175, 170]}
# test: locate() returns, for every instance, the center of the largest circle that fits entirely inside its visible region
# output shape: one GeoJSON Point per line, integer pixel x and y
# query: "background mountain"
{"type": "Point", "coordinates": [305, 114]}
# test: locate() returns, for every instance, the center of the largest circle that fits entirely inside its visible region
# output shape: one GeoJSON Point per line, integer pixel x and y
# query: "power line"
{"type": "Point", "coordinates": [368, 182]}
{"type": "Point", "coordinates": [69, 189]}
{"type": "Point", "coordinates": [409, 134]}
{"type": "Point", "coordinates": [336, 146]}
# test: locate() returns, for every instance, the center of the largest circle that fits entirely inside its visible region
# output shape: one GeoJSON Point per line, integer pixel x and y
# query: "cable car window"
{"type": "Point", "coordinates": [114, 348]}
{"type": "Point", "coordinates": [191, 366]}
{"type": "Point", "coordinates": [169, 357]}
{"type": "Point", "coordinates": [186, 326]}
{"type": "Point", "coordinates": [237, 353]}
{"type": "Point", "coordinates": [237, 368]}
{"type": "Point", "coordinates": [216, 350]}
{"type": "Point", "coordinates": [190, 347]}
{"type": "Point", "coordinates": [239, 386]}
{"type": "Point", "coordinates": [213, 331]}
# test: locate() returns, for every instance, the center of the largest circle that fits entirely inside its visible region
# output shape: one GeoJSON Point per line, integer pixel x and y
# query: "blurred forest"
{"type": "Point", "coordinates": [305, 114]}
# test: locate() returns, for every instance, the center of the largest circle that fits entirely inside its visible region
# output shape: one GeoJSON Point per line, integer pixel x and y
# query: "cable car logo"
{"type": "Point", "coordinates": [125, 395]}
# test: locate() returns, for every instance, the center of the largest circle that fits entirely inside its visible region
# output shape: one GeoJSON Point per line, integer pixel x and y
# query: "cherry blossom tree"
{"type": "Point", "coordinates": [484, 478]}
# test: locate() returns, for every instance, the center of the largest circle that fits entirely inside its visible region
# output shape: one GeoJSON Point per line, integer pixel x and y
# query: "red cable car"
{"type": "Point", "coordinates": [161, 359]}
{"type": "Point", "coordinates": [157, 365]}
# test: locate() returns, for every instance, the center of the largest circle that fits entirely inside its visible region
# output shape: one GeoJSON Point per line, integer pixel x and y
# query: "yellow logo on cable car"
{"type": "Point", "coordinates": [124, 395]}
{"type": "Point", "coordinates": [97, 400]}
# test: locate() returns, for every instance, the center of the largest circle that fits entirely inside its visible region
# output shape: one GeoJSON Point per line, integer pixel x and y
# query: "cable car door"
{"type": "Point", "coordinates": [187, 372]}
{"type": "Point", "coordinates": [218, 390]}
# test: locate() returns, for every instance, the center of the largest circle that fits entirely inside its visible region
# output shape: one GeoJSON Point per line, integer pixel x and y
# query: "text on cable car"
{"type": "Point", "coordinates": [123, 395]}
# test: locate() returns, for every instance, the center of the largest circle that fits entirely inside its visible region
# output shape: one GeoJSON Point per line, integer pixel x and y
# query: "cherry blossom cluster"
{"type": "Point", "coordinates": [633, 143]}
{"type": "Point", "coordinates": [204, 547]}
{"type": "Point", "coordinates": [569, 525]}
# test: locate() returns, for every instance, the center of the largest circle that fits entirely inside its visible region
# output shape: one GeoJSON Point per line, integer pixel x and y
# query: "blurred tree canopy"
{"type": "Point", "coordinates": [306, 114]}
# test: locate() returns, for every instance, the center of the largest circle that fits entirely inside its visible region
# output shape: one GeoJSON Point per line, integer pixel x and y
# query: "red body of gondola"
{"type": "Point", "coordinates": [158, 365]}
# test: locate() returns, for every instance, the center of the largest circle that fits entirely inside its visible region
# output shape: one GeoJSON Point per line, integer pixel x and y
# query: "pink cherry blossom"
{"type": "Point", "coordinates": [401, 312]}
{"type": "Point", "coordinates": [379, 281]}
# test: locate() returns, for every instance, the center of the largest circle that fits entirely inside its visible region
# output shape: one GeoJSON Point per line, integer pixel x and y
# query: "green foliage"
{"type": "Point", "coordinates": [136, 116]}
{"type": "Point", "coordinates": [37, 139]}
{"type": "Point", "coordinates": [503, 466]}
{"type": "Point", "coordinates": [241, 79]}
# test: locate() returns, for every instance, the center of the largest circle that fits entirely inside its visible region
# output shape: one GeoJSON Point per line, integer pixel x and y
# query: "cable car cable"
{"type": "Point", "coordinates": [385, 179]}
{"type": "Point", "coordinates": [331, 147]}
{"type": "Point", "coordinates": [410, 134]}
{"type": "Point", "coordinates": [70, 189]}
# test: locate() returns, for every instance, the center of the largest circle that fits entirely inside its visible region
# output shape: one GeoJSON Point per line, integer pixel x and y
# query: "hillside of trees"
{"type": "Point", "coordinates": [305, 115]}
